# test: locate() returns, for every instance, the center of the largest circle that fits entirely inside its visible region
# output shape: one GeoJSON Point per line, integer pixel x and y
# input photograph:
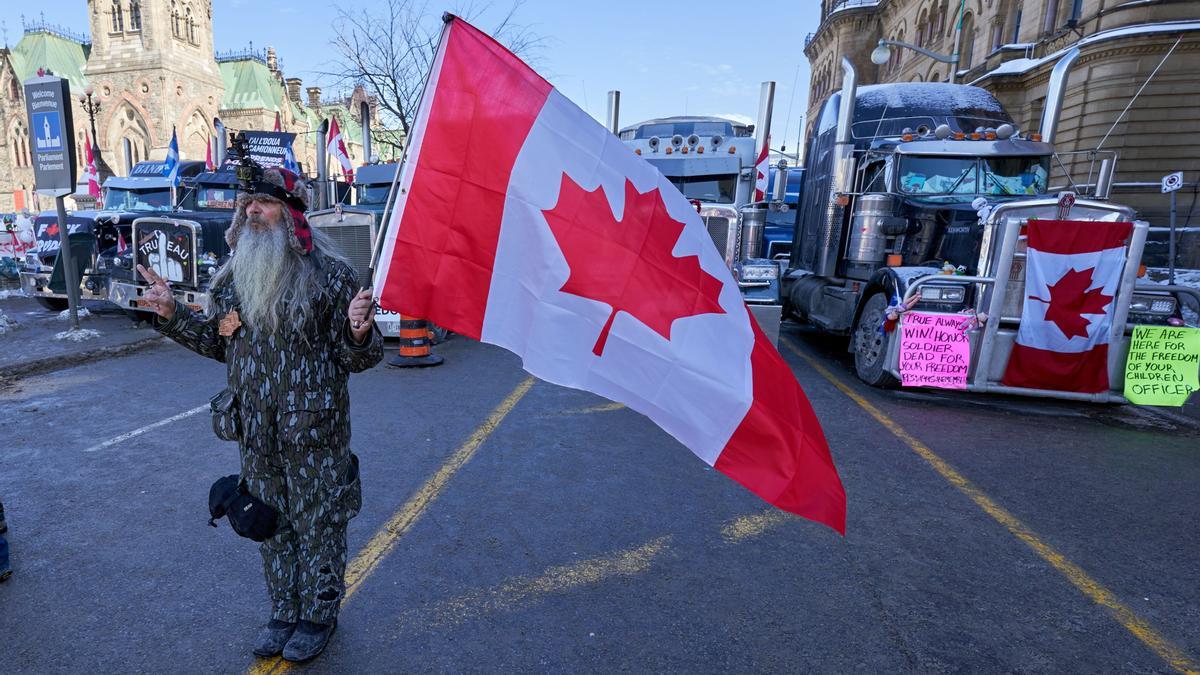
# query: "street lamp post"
{"type": "Point", "coordinates": [92, 108]}
{"type": "Point", "coordinates": [882, 52]}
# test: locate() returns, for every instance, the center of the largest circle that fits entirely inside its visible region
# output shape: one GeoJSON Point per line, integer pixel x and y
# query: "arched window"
{"type": "Point", "coordinates": [967, 48]}
{"type": "Point", "coordinates": [191, 25]}
{"type": "Point", "coordinates": [174, 19]}
{"type": "Point", "coordinates": [14, 89]}
{"type": "Point", "coordinates": [118, 17]}
{"type": "Point", "coordinates": [923, 28]}
{"type": "Point", "coordinates": [135, 15]}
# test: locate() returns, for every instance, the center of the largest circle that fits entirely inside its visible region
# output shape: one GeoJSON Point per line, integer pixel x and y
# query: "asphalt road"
{"type": "Point", "coordinates": [511, 525]}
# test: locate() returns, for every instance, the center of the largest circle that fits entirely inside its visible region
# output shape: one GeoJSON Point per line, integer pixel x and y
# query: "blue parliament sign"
{"type": "Point", "coordinates": [48, 103]}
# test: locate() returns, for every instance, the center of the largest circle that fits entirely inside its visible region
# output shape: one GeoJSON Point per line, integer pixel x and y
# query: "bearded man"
{"type": "Point", "coordinates": [285, 317]}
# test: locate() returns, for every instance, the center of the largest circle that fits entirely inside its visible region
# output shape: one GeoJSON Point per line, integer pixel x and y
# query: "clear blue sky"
{"type": "Point", "coordinates": [667, 58]}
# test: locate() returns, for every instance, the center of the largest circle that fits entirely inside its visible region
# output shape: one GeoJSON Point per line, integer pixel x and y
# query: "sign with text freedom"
{"type": "Point", "coordinates": [51, 135]}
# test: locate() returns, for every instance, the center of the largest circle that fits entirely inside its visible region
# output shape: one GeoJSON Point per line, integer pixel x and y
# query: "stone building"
{"type": "Point", "coordinates": [1009, 48]}
{"type": "Point", "coordinates": [151, 66]}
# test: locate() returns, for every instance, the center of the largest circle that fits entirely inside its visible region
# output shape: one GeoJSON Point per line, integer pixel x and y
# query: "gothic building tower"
{"type": "Point", "coordinates": [151, 65]}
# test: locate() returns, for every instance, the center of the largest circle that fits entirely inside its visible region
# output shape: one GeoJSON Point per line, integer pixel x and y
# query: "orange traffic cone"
{"type": "Point", "coordinates": [415, 345]}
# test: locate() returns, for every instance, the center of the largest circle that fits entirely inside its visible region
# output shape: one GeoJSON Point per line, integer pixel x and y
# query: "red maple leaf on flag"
{"type": "Point", "coordinates": [52, 229]}
{"type": "Point", "coordinates": [1070, 299]}
{"type": "Point", "coordinates": [627, 264]}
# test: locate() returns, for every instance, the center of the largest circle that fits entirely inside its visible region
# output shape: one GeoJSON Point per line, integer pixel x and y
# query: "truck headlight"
{"type": "Point", "coordinates": [760, 272]}
{"type": "Point", "coordinates": [946, 294]}
{"type": "Point", "coordinates": [1153, 304]}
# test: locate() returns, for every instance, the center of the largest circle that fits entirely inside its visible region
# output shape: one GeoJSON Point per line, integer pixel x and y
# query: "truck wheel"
{"type": "Point", "coordinates": [53, 304]}
{"type": "Point", "coordinates": [871, 344]}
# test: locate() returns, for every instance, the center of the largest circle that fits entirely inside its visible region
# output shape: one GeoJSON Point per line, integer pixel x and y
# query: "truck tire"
{"type": "Point", "coordinates": [870, 344]}
{"type": "Point", "coordinates": [53, 304]}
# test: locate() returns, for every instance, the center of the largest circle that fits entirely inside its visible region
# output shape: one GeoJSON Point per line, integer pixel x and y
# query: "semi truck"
{"type": "Point", "coordinates": [355, 229]}
{"type": "Point", "coordinates": [185, 246]}
{"type": "Point", "coordinates": [916, 196]}
{"type": "Point", "coordinates": [95, 235]}
{"type": "Point", "coordinates": [715, 163]}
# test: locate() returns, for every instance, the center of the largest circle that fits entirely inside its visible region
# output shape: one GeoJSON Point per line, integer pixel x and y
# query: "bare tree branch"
{"type": "Point", "coordinates": [390, 52]}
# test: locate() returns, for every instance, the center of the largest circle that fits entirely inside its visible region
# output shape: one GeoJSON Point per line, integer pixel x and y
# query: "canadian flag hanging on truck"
{"type": "Point", "coordinates": [522, 222]}
{"type": "Point", "coordinates": [762, 171]}
{"type": "Point", "coordinates": [1072, 271]}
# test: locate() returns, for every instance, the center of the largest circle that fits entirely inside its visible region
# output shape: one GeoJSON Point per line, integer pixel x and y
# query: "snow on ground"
{"type": "Point", "coordinates": [77, 335]}
{"type": "Point", "coordinates": [17, 293]}
{"type": "Point", "coordinates": [1183, 277]}
{"type": "Point", "coordinates": [6, 324]}
{"type": "Point", "coordinates": [65, 315]}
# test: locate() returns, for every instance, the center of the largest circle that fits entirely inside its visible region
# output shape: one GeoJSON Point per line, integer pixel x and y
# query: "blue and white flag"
{"type": "Point", "coordinates": [289, 160]}
{"type": "Point", "coordinates": [171, 167]}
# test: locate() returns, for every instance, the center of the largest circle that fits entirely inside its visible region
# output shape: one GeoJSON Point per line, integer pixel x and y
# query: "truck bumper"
{"type": "Point", "coordinates": [768, 318]}
{"type": "Point", "coordinates": [125, 295]}
{"type": "Point", "coordinates": [91, 287]}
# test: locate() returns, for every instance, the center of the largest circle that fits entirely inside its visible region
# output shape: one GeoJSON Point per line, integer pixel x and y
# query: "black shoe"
{"type": "Point", "coordinates": [308, 641]}
{"type": "Point", "coordinates": [5, 574]}
{"type": "Point", "coordinates": [273, 637]}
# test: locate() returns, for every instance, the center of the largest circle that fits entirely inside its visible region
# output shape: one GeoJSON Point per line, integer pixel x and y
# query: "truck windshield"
{"type": "Point", "coordinates": [937, 175]}
{"type": "Point", "coordinates": [216, 198]}
{"type": "Point", "coordinates": [719, 188]}
{"type": "Point", "coordinates": [373, 194]}
{"type": "Point", "coordinates": [1015, 175]}
{"type": "Point", "coordinates": [123, 199]}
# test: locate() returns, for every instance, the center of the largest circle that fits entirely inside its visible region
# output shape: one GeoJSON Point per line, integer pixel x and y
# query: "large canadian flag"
{"type": "Point", "coordinates": [522, 222]}
{"type": "Point", "coordinates": [1072, 271]}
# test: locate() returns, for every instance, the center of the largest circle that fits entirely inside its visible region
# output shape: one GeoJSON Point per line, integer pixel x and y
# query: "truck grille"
{"type": "Point", "coordinates": [718, 229]}
{"type": "Point", "coordinates": [354, 242]}
{"type": "Point", "coordinates": [353, 233]}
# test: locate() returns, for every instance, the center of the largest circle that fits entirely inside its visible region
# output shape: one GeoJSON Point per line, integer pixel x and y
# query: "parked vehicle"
{"type": "Point", "coordinates": [907, 181]}
{"type": "Point", "coordinates": [96, 234]}
{"type": "Point", "coordinates": [185, 246]}
{"type": "Point", "coordinates": [355, 229]}
{"type": "Point", "coordinates": [712, 160]}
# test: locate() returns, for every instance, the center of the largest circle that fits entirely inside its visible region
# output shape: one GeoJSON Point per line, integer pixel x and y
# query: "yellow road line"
{"type": "Point", "coordinates": [604, 407]}
{"type": "Point", "coordinates": [748, 527]}
{"type": "Point", "coordinates": [401, 522]}
{"type": "Point", "coordinates": [1091, 588]}
{"type": "Point", "coordinates": [524, 591]}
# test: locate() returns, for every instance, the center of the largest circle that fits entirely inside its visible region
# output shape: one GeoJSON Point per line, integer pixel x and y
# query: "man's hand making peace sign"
{"type": "Point", "coordinates": [158, 297]}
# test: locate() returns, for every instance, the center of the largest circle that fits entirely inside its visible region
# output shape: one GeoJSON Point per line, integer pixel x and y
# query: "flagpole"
{"type": "Point", "coordinates": [390, 203]}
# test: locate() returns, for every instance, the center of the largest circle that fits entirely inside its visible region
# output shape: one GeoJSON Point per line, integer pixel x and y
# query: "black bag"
{"type": "Point", "coordinates": [249, 516]}
{"type": "Point", "coordinates": [226, 418]}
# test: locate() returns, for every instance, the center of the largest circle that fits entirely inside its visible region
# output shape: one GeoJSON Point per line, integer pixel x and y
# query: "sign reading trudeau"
{"type": "Point", "coordinates": [48, 103]}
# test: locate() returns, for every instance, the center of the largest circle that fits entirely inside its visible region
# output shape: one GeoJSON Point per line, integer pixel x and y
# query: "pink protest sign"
{"type": "Point", "coordinates": [933, 351]}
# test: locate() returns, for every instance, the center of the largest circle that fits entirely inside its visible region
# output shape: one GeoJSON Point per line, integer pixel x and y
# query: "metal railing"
{"type": "Point", "coordinates": [242, 55]}
{"type": "Point", "coordinates": [43, 26]}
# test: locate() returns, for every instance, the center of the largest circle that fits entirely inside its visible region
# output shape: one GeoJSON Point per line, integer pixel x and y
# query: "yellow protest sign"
{"type": "Point", "coordinates": [1161, 368]}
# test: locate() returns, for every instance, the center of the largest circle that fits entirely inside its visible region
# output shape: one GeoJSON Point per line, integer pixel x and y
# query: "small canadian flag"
{"type": "Point", "coordinates": [762, 171]}
{"type": "Point", "coordinates": [522, 222]}
{"type": "Point", "coordinates": [93, 177]}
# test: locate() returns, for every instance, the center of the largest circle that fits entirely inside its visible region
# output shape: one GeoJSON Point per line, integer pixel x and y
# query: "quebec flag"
{"type": "Point", "coordinates": [171, 167]}
{"type": "Point", "coordinates": [289, 160]}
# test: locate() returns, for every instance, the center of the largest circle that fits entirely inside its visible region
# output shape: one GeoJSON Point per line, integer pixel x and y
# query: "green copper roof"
{"type": "Point", "coordinates": [46, 50]}
{"type": "Point", "coordinates": [249, 85]}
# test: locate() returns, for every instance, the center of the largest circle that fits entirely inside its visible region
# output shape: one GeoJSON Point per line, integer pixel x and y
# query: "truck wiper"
{"type": "Point", "coordinates": [997, 183]}
{"type": "Point", "coordinates": [958, 182]}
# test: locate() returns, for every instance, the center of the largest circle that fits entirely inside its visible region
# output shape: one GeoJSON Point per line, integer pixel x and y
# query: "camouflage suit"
{"type": "Point", "coordinates": [295, 454]}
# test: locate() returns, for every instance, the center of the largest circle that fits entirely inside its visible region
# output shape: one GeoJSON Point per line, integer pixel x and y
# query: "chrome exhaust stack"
{"type": "Point", "coordinates": [842, 180]}
{"type": "Point", "coordinates": [1055, 93]}
{"type": "Point", "coordinates": [614, 112]}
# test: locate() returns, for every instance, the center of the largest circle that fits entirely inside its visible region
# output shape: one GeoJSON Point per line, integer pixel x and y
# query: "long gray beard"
{"type": "Point", "coordinates": [271, 281]}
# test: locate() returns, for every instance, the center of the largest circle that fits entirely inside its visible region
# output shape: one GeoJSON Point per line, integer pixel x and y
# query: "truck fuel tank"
{"type": "Point", "coordinates": [873, 224]}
